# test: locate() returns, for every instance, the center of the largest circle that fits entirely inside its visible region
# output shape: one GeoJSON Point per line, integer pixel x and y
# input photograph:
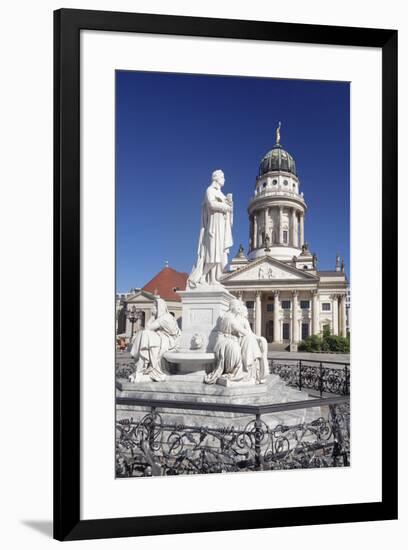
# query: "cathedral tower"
{"type": "Point", "coordinates": [277, 209]}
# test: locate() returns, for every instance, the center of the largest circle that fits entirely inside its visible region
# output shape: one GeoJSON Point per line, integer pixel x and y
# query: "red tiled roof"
{"type": "Point", "coordinates": [164, 283]}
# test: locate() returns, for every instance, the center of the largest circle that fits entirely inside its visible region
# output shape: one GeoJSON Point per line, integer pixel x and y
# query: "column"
{"type": "Point", "coordinates": [343, 325]}
{"type": "Point", "coordinates": [251, 232]}
{"type": "Point", "coordinates": [302, 230]}
{"type": "Point", "coordinates": [297, 230]}
{"type": "Point", "coordinates": [280, 224]}
{"type": "Point", "coordinates": [315, 312]}
{"type": "Point", "coordinates": [335, 314]}
{"type": "Point", "coordinates": [295, 320]}
{"type": "Point", "coordinates": [266, 224]}
{"type": "Point", "coordinates": [258, 313]}
{"type": "Point", "coordinates": [128, 330]}
{"type": "Point", "coordinates": [294, 239]}
{"type": "Point", "coordinates": [276, 317]}
{"type": "Point", "coordinates": [255, 231]}
{"type": "Point", "coordinates": [240, 295]}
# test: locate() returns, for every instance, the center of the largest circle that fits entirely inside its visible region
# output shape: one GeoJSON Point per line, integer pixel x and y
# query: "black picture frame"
{"type": "Point", "coordinates": [67, 292]}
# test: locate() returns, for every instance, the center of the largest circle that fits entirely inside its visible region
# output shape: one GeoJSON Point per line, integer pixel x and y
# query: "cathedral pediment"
{"type": "Point", "coordinates": [267, 268]}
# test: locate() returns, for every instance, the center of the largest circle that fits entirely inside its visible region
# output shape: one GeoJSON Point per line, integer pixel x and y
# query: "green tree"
{"type": "Point", "coordinates": [326, 342]}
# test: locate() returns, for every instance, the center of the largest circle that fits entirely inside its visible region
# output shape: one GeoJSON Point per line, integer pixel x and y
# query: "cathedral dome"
{"type": "Point", "coordinates": [277, 159]}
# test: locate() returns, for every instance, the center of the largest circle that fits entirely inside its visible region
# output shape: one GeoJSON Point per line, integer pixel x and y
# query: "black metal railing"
{"type": "Point", "coordinates": [314, 375]}
{"type": "Point", "coordinates": [156, 444]}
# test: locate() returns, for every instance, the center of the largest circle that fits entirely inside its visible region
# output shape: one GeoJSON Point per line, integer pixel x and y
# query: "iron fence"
{"type": "Point", "coordinates": [155, 446]}
{"type": "Point", "coordinates": [314, 375]}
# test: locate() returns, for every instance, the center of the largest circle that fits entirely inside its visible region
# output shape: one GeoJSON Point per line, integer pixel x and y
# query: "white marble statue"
{"type": "Point", "coordinates": [254, 350]}
{"type": "Point", "coordinates": [240, 354]}
{"type": "Point", "coordinates": [161, 334]}
{"type": "Point", "coordinates": [215, 238]}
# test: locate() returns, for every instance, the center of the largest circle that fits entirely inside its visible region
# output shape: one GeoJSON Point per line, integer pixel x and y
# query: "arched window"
{"type": "Point", "coordinates": [275, 182]}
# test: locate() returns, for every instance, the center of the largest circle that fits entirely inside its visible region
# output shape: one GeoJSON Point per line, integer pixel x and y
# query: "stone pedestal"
{"type": "Point", "coordinates": [190, 364]}
{"type": "Point", "coordinates": [227, 383]}
{"type": "Point", "coordinates": [202, 308]}
{"type": "Point", "coordinates": [178, 388]}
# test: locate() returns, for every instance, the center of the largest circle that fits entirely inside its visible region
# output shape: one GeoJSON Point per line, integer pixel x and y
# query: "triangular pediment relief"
{"type": "Point", "coordinates": [267, 268]}
{"type": "Point", "coordinates": [141, 296]}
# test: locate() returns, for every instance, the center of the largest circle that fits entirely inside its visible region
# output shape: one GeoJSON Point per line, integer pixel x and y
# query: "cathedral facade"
{"type": "Point", "coordinates": [287, 297]}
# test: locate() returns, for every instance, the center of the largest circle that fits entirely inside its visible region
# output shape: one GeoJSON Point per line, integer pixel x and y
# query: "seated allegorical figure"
{"type": "Point", "coordinates": [161, 334]}
{"type": "Point", "coordinates": [254, 350]}
{"type": "Point", "coordinates": [240, 354]}
{"type": "Point", "coordinates": [227, 348]}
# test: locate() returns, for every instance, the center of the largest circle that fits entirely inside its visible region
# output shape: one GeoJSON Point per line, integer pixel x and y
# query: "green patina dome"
{"type": "Point", "coordinates": [277, 159]}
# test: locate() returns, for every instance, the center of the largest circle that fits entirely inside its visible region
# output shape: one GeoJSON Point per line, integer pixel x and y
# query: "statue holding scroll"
{"type": "Point", "coordinates": [215, 237]}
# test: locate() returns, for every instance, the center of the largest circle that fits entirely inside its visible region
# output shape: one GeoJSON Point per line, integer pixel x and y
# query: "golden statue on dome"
{"type": "Point", "coordinates": [278, 136]}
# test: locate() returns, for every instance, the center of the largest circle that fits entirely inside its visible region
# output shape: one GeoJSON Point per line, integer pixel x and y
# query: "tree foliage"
{"type": "Point", "coordinates": [325, 342]}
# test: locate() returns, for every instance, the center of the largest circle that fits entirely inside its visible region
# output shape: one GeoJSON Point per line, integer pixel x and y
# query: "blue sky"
{"type": "Point", "coordinates": [173, 130]}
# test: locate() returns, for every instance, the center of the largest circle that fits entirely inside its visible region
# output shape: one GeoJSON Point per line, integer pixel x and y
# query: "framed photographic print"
{"type": "Point", "coordinates": [225, 230]}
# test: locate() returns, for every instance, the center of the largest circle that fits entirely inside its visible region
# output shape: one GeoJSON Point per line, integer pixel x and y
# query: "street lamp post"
{"type": "Point", "coordinates": [132, 316]}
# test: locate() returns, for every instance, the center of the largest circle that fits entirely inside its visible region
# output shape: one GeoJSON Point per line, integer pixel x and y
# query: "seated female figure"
{"type": "Point", "coordinates": [227, 348]}
{"type": "Point", "coordinates": [160, 335]}
{"type": "Point", "coordinates": [254, 350]}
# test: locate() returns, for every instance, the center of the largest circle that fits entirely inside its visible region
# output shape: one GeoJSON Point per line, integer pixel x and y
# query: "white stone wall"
{"type": "Point", "coordinates": [326, 317]}
{"type": "Point", "coordinates": [284, 182]}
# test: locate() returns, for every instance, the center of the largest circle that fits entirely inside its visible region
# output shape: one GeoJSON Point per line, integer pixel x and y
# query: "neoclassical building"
{"type": "Point", "coordinates": [165, 284]}
{"type": "Point", "coordinates": [287, 297]}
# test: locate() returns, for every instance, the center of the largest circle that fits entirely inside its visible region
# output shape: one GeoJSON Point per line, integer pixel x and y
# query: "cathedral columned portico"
{"type": "Point", "coordinates": [287, 297]}
{"type": "Point", "coordinates": [284, 315]}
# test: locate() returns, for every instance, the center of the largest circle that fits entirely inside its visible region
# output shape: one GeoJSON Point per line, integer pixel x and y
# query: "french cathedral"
{"type": "Point", "coordinates": [288, 299]}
